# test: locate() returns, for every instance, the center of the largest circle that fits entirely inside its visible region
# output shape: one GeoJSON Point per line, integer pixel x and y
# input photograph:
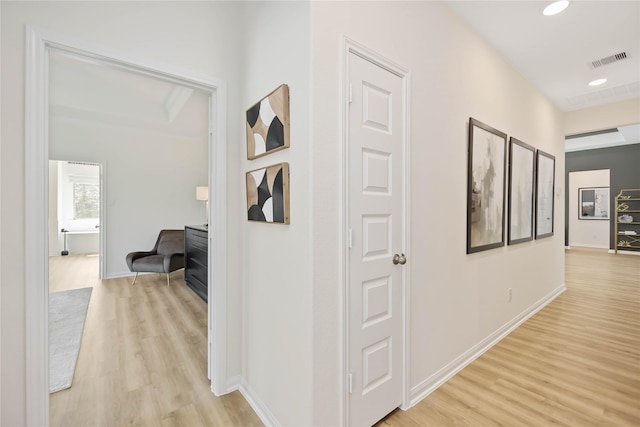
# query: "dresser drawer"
{"type": "Point", "coordinates": [196, 254]}
{"type": "Point", "coordinates": [196, 239]}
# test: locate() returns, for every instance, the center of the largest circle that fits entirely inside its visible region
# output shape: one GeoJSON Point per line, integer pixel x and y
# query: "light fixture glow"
{"type": "Point", "coordinates": [555, 7]}
{"type": "Point", "coordinates": [202, 193]}
{"type": "Point", "coordinates": [597, 82]}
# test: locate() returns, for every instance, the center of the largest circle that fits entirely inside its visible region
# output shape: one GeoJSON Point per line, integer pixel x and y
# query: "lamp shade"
{"type": "Point", "coordinates": [202, 193]}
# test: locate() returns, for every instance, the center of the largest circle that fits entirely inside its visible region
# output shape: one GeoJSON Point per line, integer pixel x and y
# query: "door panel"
{"type": "Point", "coordinates": [375, 149]}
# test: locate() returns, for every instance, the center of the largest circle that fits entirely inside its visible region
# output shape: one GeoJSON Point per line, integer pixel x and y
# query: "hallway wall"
{"type": "Point", "coordinates": [458, 302]}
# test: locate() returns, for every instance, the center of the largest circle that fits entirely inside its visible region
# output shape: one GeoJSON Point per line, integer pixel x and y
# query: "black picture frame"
{"type": "Point", "coordinates": [545, 189]}
{"type": "Point", "coordinates": [594, 203]}
{"type": "Point", "coordinates": [522, 159]}
{"type": "Point", "coordinates": [486, 175]}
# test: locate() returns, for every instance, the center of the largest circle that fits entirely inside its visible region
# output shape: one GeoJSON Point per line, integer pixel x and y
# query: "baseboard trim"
{"type": "Point", "coordinates": [130, 274]}
{"type": "Point", "coordinates": [263, 412]}
{"type": "Point", "coordinates": [611, 251]}
{"type": "Point", "coordinates": [587, 245]}
{"type": "Point", "coordinates": [233, 384]}
{"type": "Point", "coordinates": [429, 385]}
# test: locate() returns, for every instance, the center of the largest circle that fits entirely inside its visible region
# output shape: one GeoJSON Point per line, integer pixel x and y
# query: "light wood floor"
{"type": "Point", "coordinates": [143, 359]}
{"type": "Point", "coordinates": [575, 363]}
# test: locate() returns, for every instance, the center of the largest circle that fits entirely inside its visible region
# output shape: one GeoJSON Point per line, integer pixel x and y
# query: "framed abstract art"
{"type": "Point", "coordinates": [593, 203]}
{"type": "Point", "coordinates": [545, 186]}
{"type": "Point", "coordinates": [268, 194]}
{"type": "Point", "coordinates": [267, 123]}
{"type": "Point", "coordinates": [485, 187]}
{"type": "Point", "coordinates": [521, 179]}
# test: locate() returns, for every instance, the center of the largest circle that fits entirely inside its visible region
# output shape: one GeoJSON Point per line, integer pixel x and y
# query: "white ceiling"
{"type": "Point", "coordinates": [623, 135]}
{"type": "Point", "coordinates": [555, 52]}
{"type": "Point", "coordinates": [83, 90]}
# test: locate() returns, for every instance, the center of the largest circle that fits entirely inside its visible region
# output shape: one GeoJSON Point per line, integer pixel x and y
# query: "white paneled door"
{"type": "Point", "coordinates": [377, 244]}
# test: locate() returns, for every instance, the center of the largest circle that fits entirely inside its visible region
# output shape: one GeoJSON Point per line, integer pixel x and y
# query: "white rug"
{"type": "Point", "coordinates": [67, 313]}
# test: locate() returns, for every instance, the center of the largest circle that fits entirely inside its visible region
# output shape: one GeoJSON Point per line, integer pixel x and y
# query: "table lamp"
{"type": "Point", "coordinates": [202, 193]}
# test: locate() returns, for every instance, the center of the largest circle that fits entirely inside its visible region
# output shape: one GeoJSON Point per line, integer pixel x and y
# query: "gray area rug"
{"type": "Point", "coordinates": [67, 313]}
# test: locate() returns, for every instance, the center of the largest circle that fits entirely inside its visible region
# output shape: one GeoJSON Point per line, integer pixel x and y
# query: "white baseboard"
{"type": "Point", "coordinates": [121, 274]}
{"type": "Point", "coordinates": [263, 412]}
{"type": "Point", "coordinates": [233, 384]}
{"type": "Point", "coordinates": [611, 251]}
{"type": "Point", "coordinates": [130, 274]}
{"type": "Point", "coordinates": [430, 384]}
{"type": "Point", "coordinates": [587, 245]}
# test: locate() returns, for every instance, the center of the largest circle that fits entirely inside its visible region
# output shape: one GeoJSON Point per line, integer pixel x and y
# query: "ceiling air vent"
{"type": "Point", "coordinates": [609, 59]}
{"type": "Point", "coordinates": [82, 163]}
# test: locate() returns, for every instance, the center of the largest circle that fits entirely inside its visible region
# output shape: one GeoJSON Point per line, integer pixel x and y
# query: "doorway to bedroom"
{"type": "Point", "coordinates": [135, 148]}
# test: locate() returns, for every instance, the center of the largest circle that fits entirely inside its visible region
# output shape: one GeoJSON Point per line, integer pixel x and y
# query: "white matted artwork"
{"type": "Point", "coordinates": [545, 182]}
{"type": "Point", "coordinates": [267, 123]}
{"type": "Point", "coordinates": [593, 203]}
{"type": "Point", "coordinates": [485, 187]}
{"type": "Point", "coordinates": [268, 194]}
{"type": "Point", "coordinates": [521, 177]}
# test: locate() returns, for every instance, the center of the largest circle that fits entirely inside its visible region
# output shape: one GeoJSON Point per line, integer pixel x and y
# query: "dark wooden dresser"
{"type": "Point", "coordinates": [196, 256]}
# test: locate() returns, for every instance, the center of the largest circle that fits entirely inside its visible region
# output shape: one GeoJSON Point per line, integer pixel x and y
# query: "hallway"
{"type": "Point", "coordinates": [575, 363]}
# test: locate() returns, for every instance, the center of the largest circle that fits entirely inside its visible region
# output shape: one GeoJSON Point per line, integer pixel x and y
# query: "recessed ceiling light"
{"type": "Point", "coordinates": [555, 7]}
{"type": "Point", "coordinates": [597, 82]}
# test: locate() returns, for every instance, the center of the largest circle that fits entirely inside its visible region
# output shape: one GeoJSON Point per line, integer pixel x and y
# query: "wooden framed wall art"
{"type": "Point", "coordinates": [521, 177]}
{"type": "Point", "coordinates": [545, 187]}
{"type": "Point", "coordinates": [485, 187]}
{"type": "Point", "coordinates": [267, 124]}
{"type": "Point", "coordinates": [268, 194]}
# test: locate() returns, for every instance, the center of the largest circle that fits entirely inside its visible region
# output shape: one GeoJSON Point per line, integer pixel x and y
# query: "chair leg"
{"type": "Point", "coordinates": [167, 279]}
{"type": "Point", "coordinates": [134, 279]}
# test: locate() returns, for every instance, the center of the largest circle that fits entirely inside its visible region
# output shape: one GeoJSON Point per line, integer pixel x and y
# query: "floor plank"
{"type": "Point", "coordinates": [575, 363]}
{"type": "Point", "coordinates": [143, 359]}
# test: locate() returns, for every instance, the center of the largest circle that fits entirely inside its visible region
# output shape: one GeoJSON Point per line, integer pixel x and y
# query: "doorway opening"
{"type": "Point", "coordinates": [75, 212]}
{"type": "Point", "coordinates": [40, 45]}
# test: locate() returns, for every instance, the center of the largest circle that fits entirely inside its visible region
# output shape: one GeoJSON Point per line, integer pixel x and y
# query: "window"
{"type": "Point", "coordinates": [86, 200]}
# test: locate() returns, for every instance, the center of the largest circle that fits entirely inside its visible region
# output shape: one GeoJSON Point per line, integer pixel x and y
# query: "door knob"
{"type": "Point", "coordinates": [399, 259]}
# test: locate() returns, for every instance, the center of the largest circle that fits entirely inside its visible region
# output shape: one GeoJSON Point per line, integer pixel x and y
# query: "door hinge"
{"type": "Point", "coordinates": [350, 93]}
{"type": "Point", "coordinates": [350, 238]}
{"type": "Point", "coordinates": [350, 383]}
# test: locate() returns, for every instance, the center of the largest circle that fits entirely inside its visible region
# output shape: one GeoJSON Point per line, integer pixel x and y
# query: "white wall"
{"type": "Point", "coordinates": [194, 36]}
{"type": "Point", "coordinates": [291, 275]}
{"type": "Point", "coordinates": [1, 216]}
{"type": "Point", "coordinates": [55, 241]}
{"type": "Point", "coordinates": [277, 262]}
{"type": "Point", "coordinates": [457, 300]}
{"type": "Point", "coordinates": [587, 233]}
{"type": "Point", "coordinates": [149, 181]}
{"type": "Point", "coordinates": [603, 117]}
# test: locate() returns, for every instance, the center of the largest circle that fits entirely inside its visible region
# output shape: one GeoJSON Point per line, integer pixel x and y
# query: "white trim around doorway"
{"type": "Point", "coordinates": [38, 44]}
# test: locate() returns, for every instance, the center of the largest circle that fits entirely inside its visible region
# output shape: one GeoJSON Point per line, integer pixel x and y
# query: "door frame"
{"type": "Point", "coordinates": [349, 47]}
{"type": "Point", "coordinates": [38, 44]}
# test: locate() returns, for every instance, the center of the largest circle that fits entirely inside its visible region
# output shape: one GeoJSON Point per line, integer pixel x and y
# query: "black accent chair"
{"type": "Point", "coordinates": [166, 256]}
